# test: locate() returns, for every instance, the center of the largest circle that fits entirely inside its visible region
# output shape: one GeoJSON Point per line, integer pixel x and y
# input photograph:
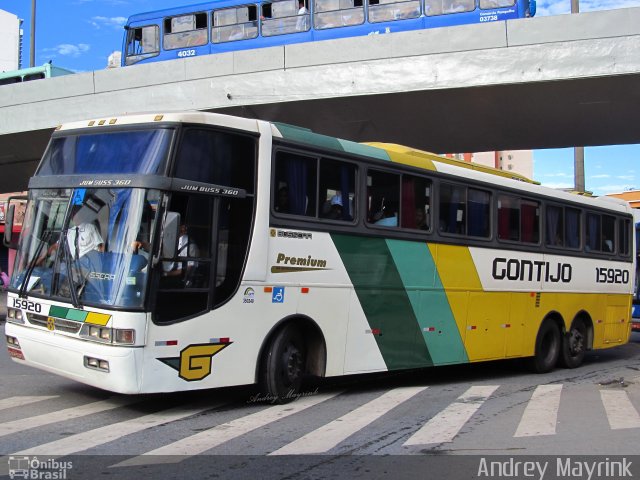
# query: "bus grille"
{"type": "Point", "coordinates": [58, 323]}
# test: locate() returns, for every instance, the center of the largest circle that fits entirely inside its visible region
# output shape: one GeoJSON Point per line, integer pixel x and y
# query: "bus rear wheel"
{"type": "Point", "coordinates": [283, 366]}
{"type": "Point", "coordinates": [548, 346]}
{"type": "Point", "coordinates": [574, 345]}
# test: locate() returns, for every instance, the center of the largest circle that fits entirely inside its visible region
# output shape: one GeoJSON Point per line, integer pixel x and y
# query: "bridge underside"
{"type": "Point", "coordinates": [581, 112]}
{"type": "Point", "coordinates": [588, 111]}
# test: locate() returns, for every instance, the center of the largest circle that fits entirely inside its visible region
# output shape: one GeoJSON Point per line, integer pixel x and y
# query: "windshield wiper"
{"type": "Point", "coordinates": [32, 263]}
{"type": "Point", "coordinates": [70, 266]}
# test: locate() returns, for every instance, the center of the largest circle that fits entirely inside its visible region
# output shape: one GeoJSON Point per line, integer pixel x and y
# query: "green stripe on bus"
{"type": "Point", "coordinates": [431, 307]}
{"type": "Point", "coordinates": [384, 300]}
{"type": "Point", "coordinates": [60, 312]}
{"type": "Point", "coordinates": [304, 135]}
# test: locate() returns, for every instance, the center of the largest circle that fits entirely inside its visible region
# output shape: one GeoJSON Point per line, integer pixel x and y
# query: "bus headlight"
{"type": "Point", "coordinates": [14, 315]}
{"type": "Point", "coordinates": [116, 336]}
{"type": "Point", "coordinates": [125, 336]}
{"type": "Point", "coordinates": [96, 364]}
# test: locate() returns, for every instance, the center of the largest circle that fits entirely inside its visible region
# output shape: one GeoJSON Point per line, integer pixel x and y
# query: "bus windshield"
{"type": "Point", "coordinates": [118, 152]}
{"type": "Point", "coordinates": [87, 246]}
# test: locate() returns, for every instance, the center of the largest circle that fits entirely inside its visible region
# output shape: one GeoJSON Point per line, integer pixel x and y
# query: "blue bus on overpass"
{"type": "Point", "coordinates": [230, 25]}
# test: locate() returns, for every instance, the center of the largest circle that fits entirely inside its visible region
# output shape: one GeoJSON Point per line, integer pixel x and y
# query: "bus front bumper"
{"type": "Point", "coordinates": [112, 368]}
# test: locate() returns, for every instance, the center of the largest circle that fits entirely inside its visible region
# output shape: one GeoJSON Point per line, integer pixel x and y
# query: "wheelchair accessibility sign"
{"type": "Point", "coordinates": [278, 295]}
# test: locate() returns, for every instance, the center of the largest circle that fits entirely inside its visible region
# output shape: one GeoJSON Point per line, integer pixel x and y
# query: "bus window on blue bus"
{"type": "Point", "coordinates": [388, 10]}
{"type": "Point", "coordinates": [282, 17]}
{"type": "Point", "coordinates": [486, 4]}
{"type": "Point", "coordinates": [338, 13]}
{"type": "Point", "coordinates": [439, 7]}
{"type": "Point", "coordinates": [142, 42]}
{"type": "Point", "coordinates": [185, 31]}
{"type": "Point", "coordinates": [238, 23]}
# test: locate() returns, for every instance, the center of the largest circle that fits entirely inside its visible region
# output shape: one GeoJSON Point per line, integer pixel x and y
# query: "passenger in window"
{"type": "Point", "coordinates": [282, 202]}
{"type": "Point", "coordinates": [421, 219]}
{"type": "Point", "coordinates": [335, 209]}
{"type": "Point", "coordinates": [389, 219]}
{"type": "Point", "coordinates": [607, 244]}
{"type": "Point", "coordinates": [302, 24]}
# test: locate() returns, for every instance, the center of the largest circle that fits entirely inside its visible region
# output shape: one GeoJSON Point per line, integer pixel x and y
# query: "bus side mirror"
{"type": "Point", "coordinates": [8, 227]}
{"type": "Point", "coordinates": [170, 235]}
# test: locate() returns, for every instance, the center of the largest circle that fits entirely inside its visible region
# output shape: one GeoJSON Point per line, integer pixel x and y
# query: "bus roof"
{"type": "Point", "coordinates": [378, 151]}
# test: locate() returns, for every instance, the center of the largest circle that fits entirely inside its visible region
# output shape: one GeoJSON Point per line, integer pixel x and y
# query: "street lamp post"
{"type": "Point", "coordinates": [578, 152]}
{"type": "Point", "coordinates": [32, 53]}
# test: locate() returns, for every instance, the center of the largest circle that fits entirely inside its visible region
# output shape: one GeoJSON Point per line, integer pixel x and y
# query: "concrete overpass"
{"type": "Point", "coordinates": [533, 83]}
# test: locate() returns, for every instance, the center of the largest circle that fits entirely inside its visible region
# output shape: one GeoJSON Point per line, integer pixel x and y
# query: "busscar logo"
{"type": "Point", "coordinates": [288, 264]}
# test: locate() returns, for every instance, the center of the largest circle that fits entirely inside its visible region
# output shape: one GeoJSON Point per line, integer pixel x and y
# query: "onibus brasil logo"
{"type": "Point", "coordinates": [40, 469]}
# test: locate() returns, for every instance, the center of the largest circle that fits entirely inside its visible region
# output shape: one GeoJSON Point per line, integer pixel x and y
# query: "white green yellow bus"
{"type": "Point", "coordinates": [183, 251]}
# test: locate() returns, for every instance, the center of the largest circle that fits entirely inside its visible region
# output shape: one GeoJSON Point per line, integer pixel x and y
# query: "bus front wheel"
{"type": "Point", "coordinates": [548, 346]}
{"type": "Point", "coordinates": [283, 366]}
{"type": "Point", "coordinates": [574, 345]}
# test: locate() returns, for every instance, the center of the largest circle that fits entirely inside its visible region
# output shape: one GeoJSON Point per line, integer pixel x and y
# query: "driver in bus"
{"type": "Point", "coordinates": [82, 238]}
{"type": "Point", "coordinates": [186, 248]}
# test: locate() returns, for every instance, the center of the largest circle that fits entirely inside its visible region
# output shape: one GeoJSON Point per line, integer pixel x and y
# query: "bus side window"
{"type": "Point", "coordinates": [416, 203]}
{"type": "Point", "coordinates": [281, 17]}
{"type": "Point", "coordinates": [554, 228]}
{"type": "Point", "coordinates": [388, 10]}
{"type": "Point", "coordinates": [452, 209]}
{"type": "Point", "coordinates": [142, 42]}
{"type": "Point", "coordinates": [185, 31]}
{"type": "Point", "coordinates": [572, 228]}
{"type": "Point", "coordinates": [338, 13]}
{"type": "Point", "coordinates": [231, 24]}
{"type": "Point", "coordinates": [337, 190]}
{"type": "Point", "coordinates": [624, 232]}
{"type": "Point", "coordinates": [608, 233]}
{"type": "Point", "coordinates": [294, 187]}
{"type": "Point", "coordinates": [383, 197]}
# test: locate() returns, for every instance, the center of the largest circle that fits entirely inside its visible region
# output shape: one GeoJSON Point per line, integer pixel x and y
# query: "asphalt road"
{"type": "Point", "coordinates": [436, 423]}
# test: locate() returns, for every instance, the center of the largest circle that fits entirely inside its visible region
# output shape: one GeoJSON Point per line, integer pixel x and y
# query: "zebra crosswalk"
{"type": "Point", "coordinates": [455, 415]}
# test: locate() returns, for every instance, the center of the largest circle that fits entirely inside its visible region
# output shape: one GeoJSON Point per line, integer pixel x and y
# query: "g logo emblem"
{"type": "Point", "coordinates": [195, 360]}
{"type": "Point", "coordinates": [51, 324]}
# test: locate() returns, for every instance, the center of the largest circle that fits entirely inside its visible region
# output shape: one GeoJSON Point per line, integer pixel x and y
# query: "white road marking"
{"type": "Point", "coordinates": [620, 411]}
{"type": "Point", "coordinates": [200, 442]}
{"type": "Point", "coordinates": [16, 426]}
{"type": "Point", "coordinates": [541, 415]}
{"type": "Point", "coordinates": [100, 436]}
{"type": "Point", "coordinates": [21, 401]}
{"type": "Point", "coordinates": [446, 425]}
{"type": "Point", "coordinates": [328, 436]}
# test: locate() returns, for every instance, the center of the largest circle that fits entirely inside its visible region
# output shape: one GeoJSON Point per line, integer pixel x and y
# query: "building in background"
{"type": "Point", "coordinates": [516, 161]}
{"type": "Point", "coordinates": [10, 42]}
{"type": "Point", "coordinates": [631, 196]}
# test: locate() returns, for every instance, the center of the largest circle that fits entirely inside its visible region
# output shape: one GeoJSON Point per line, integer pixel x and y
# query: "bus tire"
{"type": "Point", "coordinates": [574, 345]}
{"type": "Point", "coordinates": [283, 366]}
{"type": "Point", "coordinates": [548, 347]}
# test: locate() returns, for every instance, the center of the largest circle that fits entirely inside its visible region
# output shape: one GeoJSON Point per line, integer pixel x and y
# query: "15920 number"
{"type": "Point", "coordinates": [611, 275]}
{"type": "Point", "coordinates": [27, 305]}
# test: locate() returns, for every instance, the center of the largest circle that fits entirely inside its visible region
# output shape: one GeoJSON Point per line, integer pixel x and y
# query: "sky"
{"type": "Point", "coordinates": [81, 34]}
